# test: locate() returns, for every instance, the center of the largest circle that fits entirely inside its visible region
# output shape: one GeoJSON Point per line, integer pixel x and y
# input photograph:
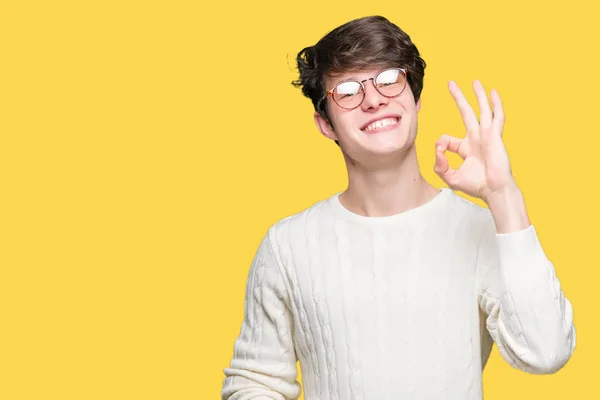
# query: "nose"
{"type": "Point", "coordinates": [373, 99]}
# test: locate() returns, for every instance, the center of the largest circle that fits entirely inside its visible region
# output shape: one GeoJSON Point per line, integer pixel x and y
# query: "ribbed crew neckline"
{"type": "Point", "coordinates": [405, 216]}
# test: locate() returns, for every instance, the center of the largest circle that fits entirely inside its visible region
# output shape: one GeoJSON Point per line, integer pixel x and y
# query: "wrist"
{"type": "Point", "coordinates": [507, 194]}
{"type": "Point", "coordinates": [507, 206]}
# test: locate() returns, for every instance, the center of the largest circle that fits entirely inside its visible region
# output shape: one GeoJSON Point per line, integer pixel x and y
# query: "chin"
{"type": "Point", "coordinates": [393, 142]}
{"type": "Point", "coordinates": [389, 150]}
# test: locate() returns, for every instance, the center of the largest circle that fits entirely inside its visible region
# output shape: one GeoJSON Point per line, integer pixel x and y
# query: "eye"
{"type": "Point", "coordinates": [347, 89]}
{"type": "Point", "coordinates": [389, 77]}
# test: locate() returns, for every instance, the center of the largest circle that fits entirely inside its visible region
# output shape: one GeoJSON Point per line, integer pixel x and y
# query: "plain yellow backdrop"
{"type": "Point", "coordinates": [146, 146]}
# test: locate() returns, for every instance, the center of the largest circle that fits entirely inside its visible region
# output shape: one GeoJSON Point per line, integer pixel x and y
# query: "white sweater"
{"type": "Point", "coordinates": [400, 307]}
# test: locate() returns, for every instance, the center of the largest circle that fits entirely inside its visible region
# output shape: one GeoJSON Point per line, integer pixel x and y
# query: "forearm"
{"type": "Point", "coordinates": [508, 210]}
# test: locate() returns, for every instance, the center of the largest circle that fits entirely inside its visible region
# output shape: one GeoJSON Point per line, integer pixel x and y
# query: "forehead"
{"type": "Point", "coordinates": [355, 75]}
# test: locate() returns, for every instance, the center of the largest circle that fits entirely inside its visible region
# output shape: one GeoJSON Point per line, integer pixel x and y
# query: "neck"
{"type": "Point", "coordinates": [378, 191]}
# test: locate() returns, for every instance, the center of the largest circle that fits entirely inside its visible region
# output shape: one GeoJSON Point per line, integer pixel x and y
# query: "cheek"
{"type": "Point", "coordinates": [345, 122]}
{"type": "Point", "coordinates": [404, 103]}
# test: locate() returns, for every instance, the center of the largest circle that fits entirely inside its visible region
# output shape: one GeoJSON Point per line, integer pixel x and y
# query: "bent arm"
{"type": "Point", "coordinates": [528, 315]}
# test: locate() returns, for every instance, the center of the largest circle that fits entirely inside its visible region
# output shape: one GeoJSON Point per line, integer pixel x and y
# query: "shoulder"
{"type": "Point", "coordinates": [288, 238]}
{"type": "Point", "coordinates": [467, 213]}
{"type": "Point", "coordinates": [288, 229]}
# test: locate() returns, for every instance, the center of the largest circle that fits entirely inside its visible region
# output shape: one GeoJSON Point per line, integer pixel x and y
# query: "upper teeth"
{"type": "Point", "coordinates": [381, 123]}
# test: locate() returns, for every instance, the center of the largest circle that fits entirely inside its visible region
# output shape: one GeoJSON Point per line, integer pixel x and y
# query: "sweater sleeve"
{"type": "Point", "coordinates": [263, 365]}
{"type": "Point", "coordinates": [526, 312]}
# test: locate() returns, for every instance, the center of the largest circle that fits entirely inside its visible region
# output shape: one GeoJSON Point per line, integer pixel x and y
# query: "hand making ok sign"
{"type": "Point", "coordinates": [486, 168]}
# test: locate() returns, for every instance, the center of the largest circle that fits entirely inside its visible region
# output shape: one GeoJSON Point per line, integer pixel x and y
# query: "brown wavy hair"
{"type": "Point", "coordinates": [362, 43]}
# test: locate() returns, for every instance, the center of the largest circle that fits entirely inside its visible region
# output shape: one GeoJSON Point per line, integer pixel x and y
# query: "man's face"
{"type": "Point", "coordinates": [379, 126]}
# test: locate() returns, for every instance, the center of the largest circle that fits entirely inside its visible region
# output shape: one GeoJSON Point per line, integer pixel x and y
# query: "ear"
{"type": "Point", "coordinates": [419, 105]}
{"type": "Point", "coordinates": [324, 127]}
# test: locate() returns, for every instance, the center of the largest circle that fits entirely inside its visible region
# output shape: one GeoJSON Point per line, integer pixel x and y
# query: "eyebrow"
{"type": "Point", "coordinates": [349, 78]}
{"type": "Point", "coordinates": [355, 78]}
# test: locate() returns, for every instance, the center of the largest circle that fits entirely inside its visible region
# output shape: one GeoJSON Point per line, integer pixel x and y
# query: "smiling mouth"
{"type": "Point", "coordinates": [381, 125]}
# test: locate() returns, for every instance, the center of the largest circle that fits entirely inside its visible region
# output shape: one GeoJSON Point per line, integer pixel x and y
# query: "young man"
{"type": "Point", "coordinates": [394, 289]}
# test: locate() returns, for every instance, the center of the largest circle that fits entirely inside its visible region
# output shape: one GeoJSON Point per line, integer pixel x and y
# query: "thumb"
{"type": "Point", "coordinates": [442, 166]}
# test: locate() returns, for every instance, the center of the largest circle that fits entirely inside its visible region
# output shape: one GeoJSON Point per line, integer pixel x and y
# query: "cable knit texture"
{"type": "Point", "coordinates": [407, 306]}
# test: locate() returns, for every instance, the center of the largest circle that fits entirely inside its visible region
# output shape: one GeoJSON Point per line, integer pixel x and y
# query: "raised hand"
{"type": "Point", "coordinates": [486, 168]}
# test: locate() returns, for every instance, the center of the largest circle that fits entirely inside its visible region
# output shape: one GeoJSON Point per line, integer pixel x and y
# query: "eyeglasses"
{"type": "Point", "coordinates": [350, 94]}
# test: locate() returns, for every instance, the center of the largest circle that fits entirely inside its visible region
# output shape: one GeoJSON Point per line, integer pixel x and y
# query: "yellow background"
{"type": "Point", "coordinates": [146, 147]}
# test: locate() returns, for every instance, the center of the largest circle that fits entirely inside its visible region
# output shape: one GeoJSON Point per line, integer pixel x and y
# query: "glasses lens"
{"type": "Point", "coordinates": [348, 94]}
{"type": "Point", "coordinates": [391, 82]}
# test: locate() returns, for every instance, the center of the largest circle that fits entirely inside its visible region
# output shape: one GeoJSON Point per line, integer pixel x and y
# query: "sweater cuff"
{"type": "Point", "coordinates": [520, 243]}
{"type": "Point", "coordinates": [521, 252]}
